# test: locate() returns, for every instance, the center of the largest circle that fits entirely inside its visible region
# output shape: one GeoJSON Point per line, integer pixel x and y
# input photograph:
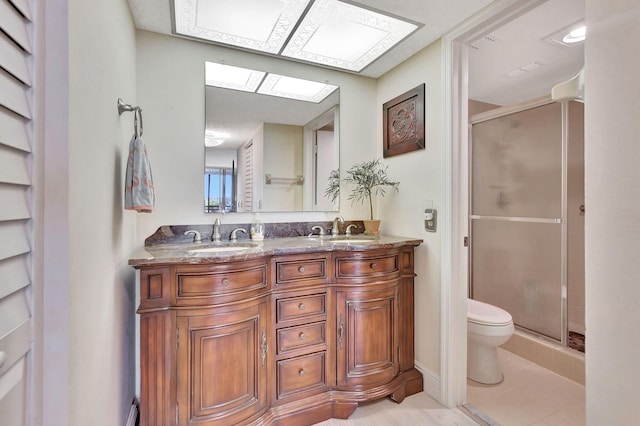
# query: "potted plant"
{"type": "Point", "coordinates": [333, 188]}
{"type": "Point", "coordinates": [369, 178]}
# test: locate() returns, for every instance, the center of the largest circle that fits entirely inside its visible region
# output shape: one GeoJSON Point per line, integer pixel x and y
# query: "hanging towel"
{"type": "Point", "coordinates": [139, 194]}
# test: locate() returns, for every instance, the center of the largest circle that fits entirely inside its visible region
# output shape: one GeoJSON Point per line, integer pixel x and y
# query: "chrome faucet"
{"type": "Point", "coordinates": [215, 236]}
{"type": "Point", "coordinates": [335, 230]}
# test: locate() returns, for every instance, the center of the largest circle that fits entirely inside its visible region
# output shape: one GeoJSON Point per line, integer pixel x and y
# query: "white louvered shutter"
{"type": "Point", "coordinates": [15, 181]}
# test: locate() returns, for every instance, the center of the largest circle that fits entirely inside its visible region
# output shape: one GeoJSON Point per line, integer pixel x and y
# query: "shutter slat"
{"type": "Point", "coordinates": [13, 95]}
{"type": "Point", "coordinates": [14, 203]}
{"type": "Point", "coordinates": [14, 310]}
{"type": "Point", "coordinates": [15, 344]}
{"type": "Point", "coordinates": [14, 25]}
{"type": "Point", "coordinates": [14, 275]}
{"type": "Point", "coordinates": [13, 166]}
{"type": "Point", "coordinates": [12, 395]}
{"type": "Point", "coordinates": [13, 239]}
{"type": "Point", "coordinates": [23, 7]}
{"type": "Point", "coordinates": [13, 131]}
{"type": "Point", "coordinates": [14, 60]}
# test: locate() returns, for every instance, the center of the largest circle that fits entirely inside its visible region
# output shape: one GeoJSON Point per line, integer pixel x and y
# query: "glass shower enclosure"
{"type": "Point", "coordinates": [525, 161]}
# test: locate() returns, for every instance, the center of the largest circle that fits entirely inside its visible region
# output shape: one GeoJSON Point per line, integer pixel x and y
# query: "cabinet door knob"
{"type": "Point", "coordinates": [302, 307]}
{"type": "Point", "coordinates": [225, 281]}
{"type": "Point", "coordinates": [374, 265]}
{"type": "Point", "coordinates": [302, 335]}
{"type": "Point", "coordinates": [301, 269]}
{"type": "Point", "coordinates": [3, 358]}
{"type": "Point", "coordinates": [301, 372]}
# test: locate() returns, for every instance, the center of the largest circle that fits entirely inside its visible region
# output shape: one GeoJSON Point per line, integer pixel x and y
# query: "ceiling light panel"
{"type": "Point", "coordinates": [295, 88]}
{"type": "Point", "coordinates": [570, 36]}
{"type": "Point", "coordinates": [342, 35]}
{"type": "Point", "coordinates": [229, 77]}
{"type": "Point", "coordinates": [261, 25]}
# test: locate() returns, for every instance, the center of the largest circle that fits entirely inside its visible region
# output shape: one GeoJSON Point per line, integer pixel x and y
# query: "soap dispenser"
{"type": "Point", "coordinates": [257, 228]}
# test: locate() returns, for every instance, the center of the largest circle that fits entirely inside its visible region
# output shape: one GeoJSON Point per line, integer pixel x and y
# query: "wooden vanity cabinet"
{"type": "Point", "coordinates": [287, 340]}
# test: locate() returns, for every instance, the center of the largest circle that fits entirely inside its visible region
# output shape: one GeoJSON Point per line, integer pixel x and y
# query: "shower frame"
{"type": "Point", "coordinates": [562, 220]}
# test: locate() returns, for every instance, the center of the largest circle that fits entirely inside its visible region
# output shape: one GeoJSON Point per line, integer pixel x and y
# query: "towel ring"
{"type": "Point", "coordinates": [137, 112]}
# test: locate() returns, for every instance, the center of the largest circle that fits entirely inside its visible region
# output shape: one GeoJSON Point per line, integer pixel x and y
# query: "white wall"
{"type": "Point", "coordinates": [282, 158]}
{"type": "Point", "coordinates": [420, 176]}
{"type": "Point", "coordinates": [174, 124]}
{"type": "Point", "coordinates": [101, 235]}
{"type": "Point", "coordinates": [612, 195]}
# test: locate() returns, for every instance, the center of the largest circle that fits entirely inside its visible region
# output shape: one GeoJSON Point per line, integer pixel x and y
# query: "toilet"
{"type": "Point", "coordinates": [488, 327]}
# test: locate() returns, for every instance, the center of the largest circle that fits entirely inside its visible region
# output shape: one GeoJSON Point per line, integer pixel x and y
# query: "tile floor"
{"type": "Point", "coordinates": [416, 410]}
{"type": "Point", "coordinates": [529, 395]}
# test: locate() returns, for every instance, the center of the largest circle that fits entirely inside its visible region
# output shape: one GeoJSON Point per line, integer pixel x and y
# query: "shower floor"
{"type": "Point", "coordinates": [576, 341]}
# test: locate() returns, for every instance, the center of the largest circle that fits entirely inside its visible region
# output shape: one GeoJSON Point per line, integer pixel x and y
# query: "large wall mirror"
{"type": "Point", "coordinates": [265, 151]}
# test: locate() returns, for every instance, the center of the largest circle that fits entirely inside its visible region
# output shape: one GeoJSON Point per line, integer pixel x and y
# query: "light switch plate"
{"type": "Point", "coordinates": [431, 220]}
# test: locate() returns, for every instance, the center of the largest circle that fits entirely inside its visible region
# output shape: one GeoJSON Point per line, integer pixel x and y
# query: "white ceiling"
{"type": "Point", "coordinates": [522, 42]}
{"type": "Point", "coordinates": [517, 43]}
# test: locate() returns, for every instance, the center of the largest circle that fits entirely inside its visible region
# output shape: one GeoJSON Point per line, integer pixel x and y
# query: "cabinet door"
{"type": "Point", "coordinates": [222, 366]}
{"type": "Point", "coordinates": [367, 337]}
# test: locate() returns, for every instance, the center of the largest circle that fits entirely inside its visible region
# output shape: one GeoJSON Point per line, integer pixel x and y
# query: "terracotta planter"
{"type": "Point", "coordinates": [371, 227]}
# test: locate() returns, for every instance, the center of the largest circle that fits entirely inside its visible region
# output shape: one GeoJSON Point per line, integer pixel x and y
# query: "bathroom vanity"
{"type": "Point", "coordinates": [287, 331]}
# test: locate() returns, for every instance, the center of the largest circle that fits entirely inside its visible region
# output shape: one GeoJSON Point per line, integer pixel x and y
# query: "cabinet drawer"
{"type": "Point", "coordinates": [354, 267]}
{"type": "Point", "coordinates": [301, 374]}
{"type": "Point", "coordinates": [293, 308]}
{"type": "Point", "coordinates": [194, 284]}
{"type": "Point", "coordinates": [309, 335]}
{"type": "Point", "coordinates": [301, 270]}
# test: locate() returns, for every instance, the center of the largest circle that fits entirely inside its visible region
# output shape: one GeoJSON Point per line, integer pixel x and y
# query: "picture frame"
{"type": "Point", "coordinates": [403, 127]}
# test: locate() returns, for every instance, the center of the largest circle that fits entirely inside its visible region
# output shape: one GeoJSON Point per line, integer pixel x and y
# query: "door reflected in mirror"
{"type": "Point", "coordinates": [267, 152]}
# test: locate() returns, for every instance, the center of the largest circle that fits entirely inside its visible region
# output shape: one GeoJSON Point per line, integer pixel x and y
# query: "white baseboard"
{"type": "Point", "coordinates": [430, 381]}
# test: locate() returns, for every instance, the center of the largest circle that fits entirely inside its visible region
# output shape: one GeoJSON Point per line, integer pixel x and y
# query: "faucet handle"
{"type": "Point", "coordinates": [320, 230]}
{"type": "Point", "coordinates": [197, 238]}
{"type": "Point", "coordinates": [234, 234]}
{"type": "Point", "coordinates": [349, 227]}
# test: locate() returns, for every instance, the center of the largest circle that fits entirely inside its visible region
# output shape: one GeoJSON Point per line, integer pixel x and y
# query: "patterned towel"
{"type": "Point", "coordinates": [139, 194]}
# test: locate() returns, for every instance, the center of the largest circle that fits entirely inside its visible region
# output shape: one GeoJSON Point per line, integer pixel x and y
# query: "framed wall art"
{"type": "Point", "coordinates": [403, 123]}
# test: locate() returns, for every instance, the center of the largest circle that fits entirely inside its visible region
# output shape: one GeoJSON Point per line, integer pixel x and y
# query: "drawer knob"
{"type": "Point", "coordinates": [301, 372]}
{"type": "Point", "coordinates": [225, 281]}
{"type": "Point", "coordinates": [374, 265]}
{"type": "Point", "coordinates": [302, 335]}
{"type": "Point", "coordinates": [301, 269]}
{"type": "Point", "coordinates": [302, 307]}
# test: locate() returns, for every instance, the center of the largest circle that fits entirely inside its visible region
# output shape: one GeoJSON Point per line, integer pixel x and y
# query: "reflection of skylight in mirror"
{"type": "Point", "coordinates": [261, 25]}
{"type": "Point", "coordinates": [295, 88]}
{"type": "Point", "coordinates": [230, 77]}
{"type": "Point", "coordinates": [248, 80]}
{"type": "Point", "coordinates": [345, 36]}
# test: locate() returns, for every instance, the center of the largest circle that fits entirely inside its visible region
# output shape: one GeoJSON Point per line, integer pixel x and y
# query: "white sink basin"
{"type": "Point", "coordinates": [221, 249]}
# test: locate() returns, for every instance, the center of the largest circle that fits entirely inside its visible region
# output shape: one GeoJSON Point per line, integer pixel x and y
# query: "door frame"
{"type": "Point", "coordinates": [455, 191]}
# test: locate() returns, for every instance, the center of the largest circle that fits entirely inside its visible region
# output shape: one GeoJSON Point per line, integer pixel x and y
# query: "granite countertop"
{"type": "Point", "coordinates": [183, 253]}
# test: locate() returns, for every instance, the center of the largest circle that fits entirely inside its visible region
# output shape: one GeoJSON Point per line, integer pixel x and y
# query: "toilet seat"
{"type": "Point", "coordinates": [488, 315]}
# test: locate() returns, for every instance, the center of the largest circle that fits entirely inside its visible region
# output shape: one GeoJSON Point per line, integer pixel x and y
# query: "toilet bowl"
{"type": "Point", "coordinates": [488, 327]}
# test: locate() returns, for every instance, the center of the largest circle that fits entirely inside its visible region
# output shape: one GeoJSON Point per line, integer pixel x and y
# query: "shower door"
{"type": "Point", "coordinates": [517, 210]}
